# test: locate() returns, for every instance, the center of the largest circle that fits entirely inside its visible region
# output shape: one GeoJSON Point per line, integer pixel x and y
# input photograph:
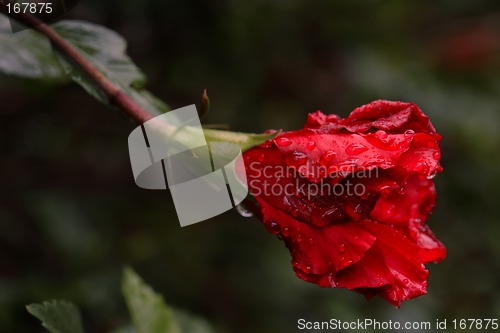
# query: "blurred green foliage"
{"type": "Point", "coordinates": [71, 215]}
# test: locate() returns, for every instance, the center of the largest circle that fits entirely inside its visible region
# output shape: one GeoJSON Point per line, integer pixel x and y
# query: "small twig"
{"type": "Point", "coordinates": [114, 94]}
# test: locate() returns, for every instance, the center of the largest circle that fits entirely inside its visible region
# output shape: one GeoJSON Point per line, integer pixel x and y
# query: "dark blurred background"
{"type": "Point", "coordinates": [71, 215]}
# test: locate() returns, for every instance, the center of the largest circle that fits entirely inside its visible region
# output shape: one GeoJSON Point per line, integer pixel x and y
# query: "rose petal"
{"type": "Point", "coordinates": [391, 267]}
{"type": "Point", "coordinates": [394, 117]}
{"type": "Point", "coordinates": [317, 252]}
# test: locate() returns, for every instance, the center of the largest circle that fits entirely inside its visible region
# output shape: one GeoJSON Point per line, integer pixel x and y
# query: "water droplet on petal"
{"type": "Point", "coordinates": [332, 215]}
{"type": "Point", "coordinates": [406, 282]}
{"type": "Point", "coordinates": [331, 280]}
{"type": "Point", "coordinates": [420, 166]}
{"type": "Point", "coordinates": [409, 132]}
{"type": "Point", "coordinates": [436, 155]}
{"type": "Point", "coordinates": [243, 211]}
{"type": "Point", "coordinates": [356, 149]}
{"type": "Point", "coordinates": [342, 247]}
{"type": "Point", "coordinates": [286, 232]}
{"type": "Point", "coordinates": [431, 143]}
{"type": "Point", "coordinates": [296, 158]}
{"type": "Point", "coordinates": [310, 145]}
{"type": "Point", "coordinates": [274, 228]}
{"type": "Point", "coordinates": [381, 135]}
{"type": "Point", "coordinates": [327, 157]}
{"type": "Point", "coordinates": [389, 210]}
{"type": "Point", "coordinates": [283, 142]}
{"type": "Point", "coordinates": [379, 158]}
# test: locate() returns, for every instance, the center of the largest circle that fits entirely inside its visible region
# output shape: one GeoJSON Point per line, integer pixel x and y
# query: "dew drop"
{"type": "Point", "coordinates": [431, 144]}
{"type": "Point", "coordinates": [409, 132]}
{"type": "Point", "coordinates": [327, 157]}
{"type": "Point", "coordinates": [296, 158]}
{"type": "Point", "coordinates": [274, 228]}
{"type": "Point", "coordinates": [243, 211]}
{"type": "Point", "coordinates": [379, 158]}
{"type": "Point", "coordinates": [406, 282]}
{"type": "Point", "coordinates": [331, 280]}
{"type": "Point", "coordinates": [436, 155]}
{"type": "Point", "coordinates": [310, 145]}
{"type": "Point", "coordinates": [283, 142]}
{"type": "Point", "coordinates": [381, 135]}
{"type": "Point", "coordinates": [342, 247]}
{"type": "Point", "coordinates": [286, 232]}
{"type": "Point", "coordinates": [356, 149]}
{"type": "Point", "coordinates": [332, 215]}
{"type": "Point", "coordinates": [420, 166]}
{"type": "Point", "coordinates": [389, 210]}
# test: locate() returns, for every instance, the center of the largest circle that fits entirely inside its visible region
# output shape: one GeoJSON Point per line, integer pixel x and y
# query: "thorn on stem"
{"type": "Point", "coordinates": [205, 104]}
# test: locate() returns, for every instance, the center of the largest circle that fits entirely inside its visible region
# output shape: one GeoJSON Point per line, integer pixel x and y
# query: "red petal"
{"type": "Point", "coordinates": [391, 266]}
{"type": "Point", "coordinates": [317, 252]}
{"type": "Point", "coordinates": [394, 117]}
{"type": "Point", "coordinates": [340, 153]}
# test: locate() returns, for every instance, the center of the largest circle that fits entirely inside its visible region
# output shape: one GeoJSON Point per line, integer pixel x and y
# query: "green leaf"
{"type": "Point", "coordinates": [30, 54]}
{"type": "Point", "coordinates": [104, 49]}
{"type": "Point", "coordinates": [27, 54]}
{"type": "Point", "coordinates": [150, 314]}
{"type": "Point", "coordinates": [148, 310]}
{"type": "Point", "coordinates": [58, 316]}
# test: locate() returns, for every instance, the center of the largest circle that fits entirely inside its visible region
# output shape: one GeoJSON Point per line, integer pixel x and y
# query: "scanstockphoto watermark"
{"type": "Point", "coordinates": [345, 181]}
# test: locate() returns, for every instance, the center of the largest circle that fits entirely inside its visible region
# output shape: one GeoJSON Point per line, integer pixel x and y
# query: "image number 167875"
{"type": "Point", "coordinates": [29, 8]}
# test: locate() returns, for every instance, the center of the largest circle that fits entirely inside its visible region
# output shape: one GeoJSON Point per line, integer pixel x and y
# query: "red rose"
{"type": "Point", "coordinates": [349, 197]}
